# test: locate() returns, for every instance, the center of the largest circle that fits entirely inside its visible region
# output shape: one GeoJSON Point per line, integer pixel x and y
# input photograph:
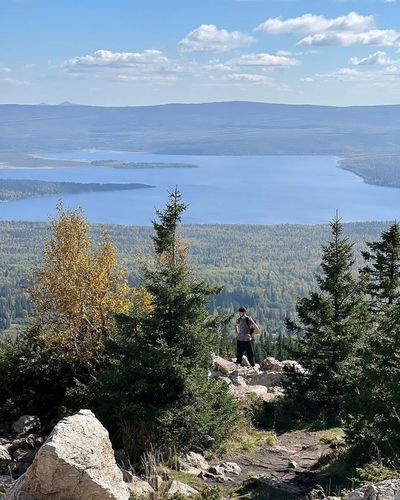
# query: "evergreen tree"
{"type": "Point", "coordinates": [382, 271]}
{"type": "Point", "coordinates": [372, 410]}
{"type": "Point", "coordinates": [159, 384]}
{"type": "Point", "coordinates": [332, 321]}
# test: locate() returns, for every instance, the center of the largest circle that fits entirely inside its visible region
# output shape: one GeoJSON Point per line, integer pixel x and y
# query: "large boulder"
{"type": "Point", "coordinates": [75, 463]}
{"type": "Point", "coordinates": [384, 490]}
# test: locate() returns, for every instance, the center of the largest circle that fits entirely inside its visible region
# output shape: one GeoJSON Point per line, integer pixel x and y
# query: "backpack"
{"type": "Point", "coordinates": [250, 326]}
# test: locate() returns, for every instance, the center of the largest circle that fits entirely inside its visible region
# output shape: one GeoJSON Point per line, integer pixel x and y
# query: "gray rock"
{"type": "Point", "coordinates": [5, 483]}
{"type": "Point", "coordinates": [27, 424]}
{"type": "Point", "coordinates": [193, 463]}
{"type": "Point", "coordinates": [294, 365]}
{"type": "Point", "coordinates": [384, 490]}
{"type": "Point", "coordinates": [4, 453]}
{"type": "Point", "coordinates": [230, 468]}
{"type": "Point", "coordinates": [75, 463]}
{"type": "Point", "coordinates": [267, 379]}
{"type": "Point", "coordinates": [140, 488]}
{"type": "Point", "coordinates": [223, 365]}
{"type": "Point", "coordinates": [271, 364]}
{"type": "Point", "coordinates": [177, 487]}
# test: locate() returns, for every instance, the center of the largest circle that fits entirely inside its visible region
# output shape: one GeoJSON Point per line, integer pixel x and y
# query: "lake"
{"type": "Point", "coordinates": [224, 189]}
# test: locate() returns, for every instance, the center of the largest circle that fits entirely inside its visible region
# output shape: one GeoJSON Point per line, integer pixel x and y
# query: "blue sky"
{"type": "Point", "coordinates": [137, 52]}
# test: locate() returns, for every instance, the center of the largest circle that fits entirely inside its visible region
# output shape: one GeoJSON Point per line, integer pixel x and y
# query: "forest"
{"type": "Point", "coordinates": [264, 268]}
{"type": "Point", "coordinates": [15, 189]}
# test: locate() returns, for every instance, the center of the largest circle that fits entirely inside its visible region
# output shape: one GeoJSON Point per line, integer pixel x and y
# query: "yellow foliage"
{"type": "Point", "coordinates": [78, 289]}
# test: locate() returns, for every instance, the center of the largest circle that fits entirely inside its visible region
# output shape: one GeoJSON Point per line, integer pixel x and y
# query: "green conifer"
{"type": "Point", "coordinates": [332, 321]}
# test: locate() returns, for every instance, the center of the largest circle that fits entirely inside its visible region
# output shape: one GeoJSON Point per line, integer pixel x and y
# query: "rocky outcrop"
{"type": "Point", "coordinates": [384, 490]}
{"type": "Point", "coordinates": [263, 380]}
{"type": "Point", "coordinates": [75, 463]}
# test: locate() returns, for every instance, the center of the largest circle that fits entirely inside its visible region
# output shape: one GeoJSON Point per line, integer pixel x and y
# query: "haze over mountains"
{"type": "Point", "coordinates": [238, 128]}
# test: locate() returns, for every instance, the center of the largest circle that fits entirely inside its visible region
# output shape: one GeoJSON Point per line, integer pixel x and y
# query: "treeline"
{"type": "Point", "coordinates": [15, 189]}
{"type": "Point", "coordinates": [264, 268]}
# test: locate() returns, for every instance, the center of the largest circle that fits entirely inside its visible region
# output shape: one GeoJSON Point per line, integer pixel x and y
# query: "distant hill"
{"type": "Point", "coordinates": [225, 128]}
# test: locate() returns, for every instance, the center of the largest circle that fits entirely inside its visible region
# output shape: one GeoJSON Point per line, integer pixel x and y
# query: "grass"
{"type": "Point", "coordinates": [247, 439]}
{"type": "Point", "coordinates": [333, 437]}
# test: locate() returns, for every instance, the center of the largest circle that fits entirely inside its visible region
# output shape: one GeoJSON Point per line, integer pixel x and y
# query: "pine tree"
{"type": "Point", "coordinates": [160, 382]}
{"type": "Point", "coordinates": [372, 410]}
{"type": "Point", "coordinates": [332, 321]}
{"type": "Point", "coordinates": [382, 271]}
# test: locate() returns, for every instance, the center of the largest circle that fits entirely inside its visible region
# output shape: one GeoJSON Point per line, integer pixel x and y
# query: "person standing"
{"type": "Point", "coordinates": [246, 327]}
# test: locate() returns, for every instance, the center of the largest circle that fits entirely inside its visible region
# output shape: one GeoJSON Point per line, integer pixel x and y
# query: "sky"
{"type": "Point", "coordinates": [144, 52]}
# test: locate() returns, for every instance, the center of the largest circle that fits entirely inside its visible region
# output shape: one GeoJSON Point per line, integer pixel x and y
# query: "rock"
{"type": "Point", "coordinates": [76, 463]}
{"type": "Point", "coordinates": [292, 464]}
{"type": "Point", "coordinates": [267, 379]}
{"type": "Point", "coordinates": [230, 468]}
{"type": "Point", "coordinates": [384, 490]}
{"type": "Point", "coordinates": [223, 365]}
{"type": "Point", "coordinates": [26, 424]}
{"type": "Point", "coordinates": [5, 483]}
{"type": "Point", "coordinates": [245, 362]}
{"type": "Point", "coordinates": [193, 461]}
{"type": "Point", "coordinates": [176, 487]}
{"type": "Point", "coordinates": [122, 459]}
{"type": "Point", "coordinates": [243, 392]}
{"type": "Point", "coordinates": [226, 380]}
{"type": "Point", "coordinates": [237, 379]}
{"type": "Point", "coordinates": [4, 454]}
{"type": "Point", "coordinates": [294, 365]}
{"type": "Point", "coordinates": [272, 365]}
{"type": "Point", "coordinates": [140, 488]}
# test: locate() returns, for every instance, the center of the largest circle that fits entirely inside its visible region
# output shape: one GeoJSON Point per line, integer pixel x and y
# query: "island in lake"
{"type": "Point", "coordinates": [17, 189]}
{"type": "Point", "coordinates": [139, 165]}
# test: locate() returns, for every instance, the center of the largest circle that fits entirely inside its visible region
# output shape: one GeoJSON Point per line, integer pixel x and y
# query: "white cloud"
{"type": "Point", "coordinates": [342, 74]}
{"type": "Point", "coordinates": [263, 60]}
{"type": "Point", "coordinates": [312, 24]}
{"type": "Point", "coordinates": [249, 78]}
{"type": "Point", "coordinates": [4, 69]}
{"type": "Point", "coordinates": [379, 57]}
{"type": "Point", "coordinates": [386, 38]}
{"type": "Point", "coordinates": [307, 79]}
{"type": "Point", "coordinates": [14, 82]}
{"type": "Point", "coordinates": [150, 64]}
{"type": "Point", "coordinates": [208, 38]}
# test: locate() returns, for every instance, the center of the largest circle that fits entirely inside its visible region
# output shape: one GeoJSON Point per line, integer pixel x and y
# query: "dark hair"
{"type": "Point", "coordinates": [242, 309]}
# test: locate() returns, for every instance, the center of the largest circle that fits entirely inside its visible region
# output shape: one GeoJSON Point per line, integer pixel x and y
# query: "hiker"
{"type": "Point", "coordinates": [246, 327]}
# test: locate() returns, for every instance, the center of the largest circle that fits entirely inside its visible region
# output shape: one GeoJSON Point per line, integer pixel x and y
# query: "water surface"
{"type": "Point", "coordinates": [225, 189]}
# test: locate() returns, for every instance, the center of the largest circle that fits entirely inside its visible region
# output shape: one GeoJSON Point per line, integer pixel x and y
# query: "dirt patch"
{"type": "Point", "coordinates": [291, 466]}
